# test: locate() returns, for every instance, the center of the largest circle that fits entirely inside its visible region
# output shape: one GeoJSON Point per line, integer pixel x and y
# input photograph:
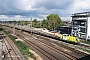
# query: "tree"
{"type": "Point", "coordinates": [54, 21]}
{"type": "Point", "coordinates": [36, 23]}
{"type": "Point", "coordinates": [22, 22]}
{"type": "Point", "coordinates": [44, 23]}
{"type": "Point", "coordinates": [35, 20]}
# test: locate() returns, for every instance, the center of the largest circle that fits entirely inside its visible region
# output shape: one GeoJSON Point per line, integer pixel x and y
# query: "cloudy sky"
{"type": "Point", "coordinates": [39, 9]}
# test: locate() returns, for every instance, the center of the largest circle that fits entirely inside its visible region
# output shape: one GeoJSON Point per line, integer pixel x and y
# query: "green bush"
{"type": "Point", "coordinates": [13, 38]}
{"type": "Point", "coordinates": [86, 42]}
{"type": "Point", "coordinates": [24, 49]}
{"type": "Point", "coordinates": [5, 31]}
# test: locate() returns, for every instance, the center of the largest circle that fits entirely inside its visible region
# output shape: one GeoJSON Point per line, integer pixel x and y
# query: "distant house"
{"type": "Point", "coordinates": [67, 23]}
{"type": "Point", "coordinates": [65, 30]}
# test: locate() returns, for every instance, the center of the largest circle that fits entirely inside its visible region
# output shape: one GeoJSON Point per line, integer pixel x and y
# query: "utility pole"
{"type": "Point", "coordinates": [31, 26]}
{"type": "Point", "coordinates": [54, 26]}
{"type": "Point", "coordinates": [14, 28]}
{"type": "Point", "coordinates": [1, 23]}
{"type": "Point", "coordinates": [40, 24]}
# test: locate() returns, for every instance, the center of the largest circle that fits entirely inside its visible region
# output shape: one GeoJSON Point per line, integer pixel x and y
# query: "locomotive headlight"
{"type": "Point", "coordinates": [88, 36]}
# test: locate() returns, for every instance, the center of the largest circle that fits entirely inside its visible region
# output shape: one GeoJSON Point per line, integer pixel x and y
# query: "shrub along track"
{"type": "Point", "coordinates": [58, 50]}
{"type": "Point", "coordinates": [8, 44]}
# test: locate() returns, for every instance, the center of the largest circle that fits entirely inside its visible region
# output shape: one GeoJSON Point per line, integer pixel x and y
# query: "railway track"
{"type": "Point", "coordinates": [84, 45]}
{"type": "Point", "coordinates": [57, 50]}
{"type": "Point", "coordinates": [64, 46]}
{"type": "Point", "coordinates": [79, 44]}
{"type": "Point", "coordinates": [54, 37]}
{"type": "Point", "coordinates": [49, 55]}
{"type": "Point", "coordinates": [80, 53]}
{"type": "Point", "coordinates": [9, 45]}
{"type": "Point", "coordinates": [61, 48]}
{"type": "Point", "coordinates": [71, 57]}
{"type": "Point", "coordinates": [53, 47]}
{"type": "Point", "coordinates": [44, 52]}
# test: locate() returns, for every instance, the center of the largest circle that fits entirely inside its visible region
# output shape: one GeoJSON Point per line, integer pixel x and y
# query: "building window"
{"type": "Point", "coordinates": [75, 23]}
{"type": "Point", "coordinates": [82, 23]}
{"type": "Point", "coordinates": [82, 35]}
{"type": "Point", "coordinates": [82, 30]}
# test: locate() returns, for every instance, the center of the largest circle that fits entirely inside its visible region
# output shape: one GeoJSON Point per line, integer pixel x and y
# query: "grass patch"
{"type": "Point", "coordinates": [86, 42]}
{"type": "Point", "coordinates": [24, 49]}
{"type": "Point", "coordinates": [22, 46]}
{"type": "Point", "coordinates": [77, 47]}
{"type": "Point", "coordinates": [83, 49]}
{"type": "Point", "coordinates": [5, 31]}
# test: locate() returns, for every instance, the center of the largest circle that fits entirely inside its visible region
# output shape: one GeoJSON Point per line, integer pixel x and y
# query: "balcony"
{"type": "Point", "coordinates": [79, 18]}
{"type": "Point", "coordinates": [82, 33]}
{"type": "Point", "coordinates": [82, 26]}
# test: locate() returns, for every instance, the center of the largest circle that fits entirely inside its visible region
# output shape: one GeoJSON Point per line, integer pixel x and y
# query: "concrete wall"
{"type": "Point", "coordinates": [88, 28]}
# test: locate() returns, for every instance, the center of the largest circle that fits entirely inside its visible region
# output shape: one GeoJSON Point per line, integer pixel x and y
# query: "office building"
{"type": "Point", "coordinates": [81, 25]}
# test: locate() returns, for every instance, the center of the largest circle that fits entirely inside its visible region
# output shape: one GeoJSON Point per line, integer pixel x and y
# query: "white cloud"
{"type": "Point", "coordinates": [28, 7]}
{"type": "Point", "coordinates": [3, 16]}
{"type": "Point", "coordinates": [66, 18]}
{"type": "Point", "coordinates": [41, 8]}
{"type": "Point", "coordinates": [80, 6]}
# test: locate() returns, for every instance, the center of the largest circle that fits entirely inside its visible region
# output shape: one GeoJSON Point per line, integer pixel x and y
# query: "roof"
{"type": "Point", "coordinates": [65, 26]}
{"type": "Point", "coordinates": [81, 14]}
